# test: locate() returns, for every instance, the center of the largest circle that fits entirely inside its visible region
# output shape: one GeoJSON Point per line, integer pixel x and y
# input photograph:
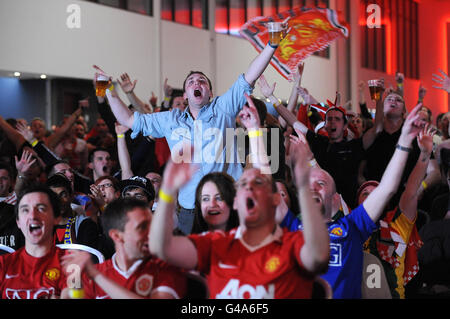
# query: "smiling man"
{"type": "Point", "coordinates": [203, 124]}
{"type": "Point", "coordinates": [258, 259]}
{"type": "Point", "coordinates": [34, 271]}
{"type": "Point", "coordinates": [127, 222]}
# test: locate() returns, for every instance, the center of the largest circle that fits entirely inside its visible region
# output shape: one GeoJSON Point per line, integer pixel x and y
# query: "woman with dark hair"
{"type": "Point", "coordinates": [214, 198]}
{"type": "Point", "coordinates": [288, 195]}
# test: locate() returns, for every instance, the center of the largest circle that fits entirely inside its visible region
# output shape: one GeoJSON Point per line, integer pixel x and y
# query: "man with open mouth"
{"type": "Point", "coordinates": [204, 113]}
{"type": "Point", "coordinates": [34, 271]}
{"type": "Point", "coordinates": [348, 234]}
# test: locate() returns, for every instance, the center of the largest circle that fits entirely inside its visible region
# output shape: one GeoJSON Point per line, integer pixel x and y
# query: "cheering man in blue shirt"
{"type": "Point", "coordinates": [207, 123]}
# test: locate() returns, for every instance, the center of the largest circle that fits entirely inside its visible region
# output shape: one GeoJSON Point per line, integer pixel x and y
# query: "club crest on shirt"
{"type": "Point", "coordinates": [272, 264]}
{"type": "Point", "coordinates": [53, 274]}
{"type": "Point", "coordinates": [144, 285]}
{"type": "Point", "coordinates": [337, 231]}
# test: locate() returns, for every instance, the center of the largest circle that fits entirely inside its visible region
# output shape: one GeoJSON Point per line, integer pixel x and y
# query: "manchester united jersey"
{"type": "Point", "coordinates": [143, 278]}
{"type": "Point", "coordinates": [236, 270]}
{"type": "Point", "coordinates": [26, 277]}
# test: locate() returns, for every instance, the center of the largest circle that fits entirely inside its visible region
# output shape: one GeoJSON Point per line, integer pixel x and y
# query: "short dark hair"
{"type": "Point", "coordinates": [98, 149]}
{"type": "Point", "coordinates": [40, 188]}
{"type": "Point", "coordinates": [59, 180]}
{"type": "Point", "coordinates": [115, 214]}
{"type": "Point", "coordinates": [50, 169]}
{"type": "Point", "coordinates": [339, 109]}
{"type": "Point", "coordinates": [196, 72]}
{"type": "Point", "coordinates": [8, 168]}
{"type": "Point", "coordinates": [225, 185]}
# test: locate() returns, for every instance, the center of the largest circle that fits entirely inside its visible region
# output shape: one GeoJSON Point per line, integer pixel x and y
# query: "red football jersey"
{"type": "Point", "coordinates": [26, 277]}
{"type": "Point", "coordinates": [236, 270]}
{"type": "Point", "coordinates": [143, 278]}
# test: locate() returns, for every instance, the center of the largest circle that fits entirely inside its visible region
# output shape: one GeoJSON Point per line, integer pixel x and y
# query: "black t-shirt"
{"type": "Point", "coordinates": [10, 234]}
{"type": "Point", "coordinates": [341, 160]}
{"type": "Point", "coordinates": [380, 153]}
{"type": "Point", "coordinates": [84, 231]}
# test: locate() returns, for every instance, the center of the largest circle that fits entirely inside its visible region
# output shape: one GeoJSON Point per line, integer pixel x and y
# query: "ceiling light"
{"type": "Point", "coordinates": [16, 73]}
{"type": "Point", "coordinates": [43, 76]}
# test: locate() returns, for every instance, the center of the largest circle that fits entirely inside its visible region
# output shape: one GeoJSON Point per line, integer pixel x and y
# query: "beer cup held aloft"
{"type": "Point", "coordinates": [101, 84]}
{"type": "Point", "coordinates": [275, 32]}
{"type": "Point", "coordinates": [375, 90]}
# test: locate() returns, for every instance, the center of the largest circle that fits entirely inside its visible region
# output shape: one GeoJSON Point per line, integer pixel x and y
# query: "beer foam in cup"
{"type": "Point", "coordinates": [274, 26]}
{"type": "Point", "coordinates": [102, 77]}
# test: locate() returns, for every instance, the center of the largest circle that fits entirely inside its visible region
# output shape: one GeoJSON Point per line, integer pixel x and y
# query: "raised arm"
{"type": "Point", "coordinates": [56, 137]}
{"type": "Point", "coordinates": [176, 250]}
{"type": "Point", "coordinates": [260, 63]}
{"type": "Point", "coordinates": [369, 136]}
{"type": "Point", "coordinates": [409, 198]}
{"type": "Point", "coordinates": [122, 152]}
{"type": "Point", "coordinates": [377, 200]}
{"type": "Point", "coordinates": [315, 251]}
{"type": "Point", "coordinates": [83, 261]}
{"type": "Point", "coordinates": [443, 80]}
{"type": "Point", "coordinates": [250, 119]}
{"type": "Point", "coordinates": [128, 88]}
{"type": "Point", "coordinates": [23, 166]}
{"type": "Point", "coordinates": [123, 115]}
{"type": "Point", "coordinates": [400, 80]}
{"type": "Point", "coordinates": [13, 135]}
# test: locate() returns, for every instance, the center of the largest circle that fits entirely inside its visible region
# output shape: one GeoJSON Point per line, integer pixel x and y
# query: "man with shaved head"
{"type": "Point", "coordinates": [348, 234]}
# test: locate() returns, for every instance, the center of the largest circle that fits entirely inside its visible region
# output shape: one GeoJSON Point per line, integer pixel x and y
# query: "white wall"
{"type": "Point", "coordinates": [35, 38]}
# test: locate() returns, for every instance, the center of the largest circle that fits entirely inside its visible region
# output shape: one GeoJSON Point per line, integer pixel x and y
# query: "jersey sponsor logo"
{"type": "Point", "coordinates": [233, 290]}
{"type": "Point", "coordinates": [272, 264]}
{"type": "Point", "coordinates": [335, 255]}
{"type": "Point", "coordinates": [39, 293]}
{"type": "Point", "coordinates": [144, 285]}
{"type": "Point", "coordinates": [226, 266]}
{"type": "Point", "coordinates": [53, 274]}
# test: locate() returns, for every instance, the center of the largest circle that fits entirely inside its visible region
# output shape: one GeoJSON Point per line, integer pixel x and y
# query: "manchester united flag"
{"type": "Point", "coordinates": [312, 29]}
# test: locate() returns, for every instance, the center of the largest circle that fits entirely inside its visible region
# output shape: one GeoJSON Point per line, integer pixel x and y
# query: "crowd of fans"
{"type": "Point", "coordinates": [311, 191]}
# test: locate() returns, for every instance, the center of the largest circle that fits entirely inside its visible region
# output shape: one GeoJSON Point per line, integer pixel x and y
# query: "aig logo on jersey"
{"type": "Point", "coordinates": [53, 274]}
{"type": "Point", "coordinates": [144, 285]}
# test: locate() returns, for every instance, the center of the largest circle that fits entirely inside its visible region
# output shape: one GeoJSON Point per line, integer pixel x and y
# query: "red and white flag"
{"type": "Point", "coordinates": [312, 29]}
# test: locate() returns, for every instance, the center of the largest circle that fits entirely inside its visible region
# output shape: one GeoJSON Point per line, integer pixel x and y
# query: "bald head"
{"type": "Point", "coordinates": [323, 190]}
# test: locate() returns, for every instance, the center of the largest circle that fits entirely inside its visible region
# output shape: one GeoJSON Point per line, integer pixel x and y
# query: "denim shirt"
{"type": "Point", "coordinates": [213, 150]}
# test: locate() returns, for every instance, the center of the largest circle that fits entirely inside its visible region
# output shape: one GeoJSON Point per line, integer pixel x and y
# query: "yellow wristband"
{"type": "Point", "coordinates": [120, 135]}
{"type": "Point", "coordinates": [34, 142]}
{"type": "Point", "coordinates": [167, 99]}
{"type": "Point", "coordinates": [275, 105]}
{"type": "Point", "coordinates": [424, 185]}
{"type": "Point", "coordinates": [312, 163]}
{"type": "Point", "coordinates": [76, 293]}
{"type": "Point", "coordinates": [165, 197]}
{"type": "Point", "coordinates": [254, 133]}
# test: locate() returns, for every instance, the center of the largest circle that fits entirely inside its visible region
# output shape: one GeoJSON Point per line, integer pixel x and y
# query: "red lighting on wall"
{"type": "Point", "coordinates": [391, 50]}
